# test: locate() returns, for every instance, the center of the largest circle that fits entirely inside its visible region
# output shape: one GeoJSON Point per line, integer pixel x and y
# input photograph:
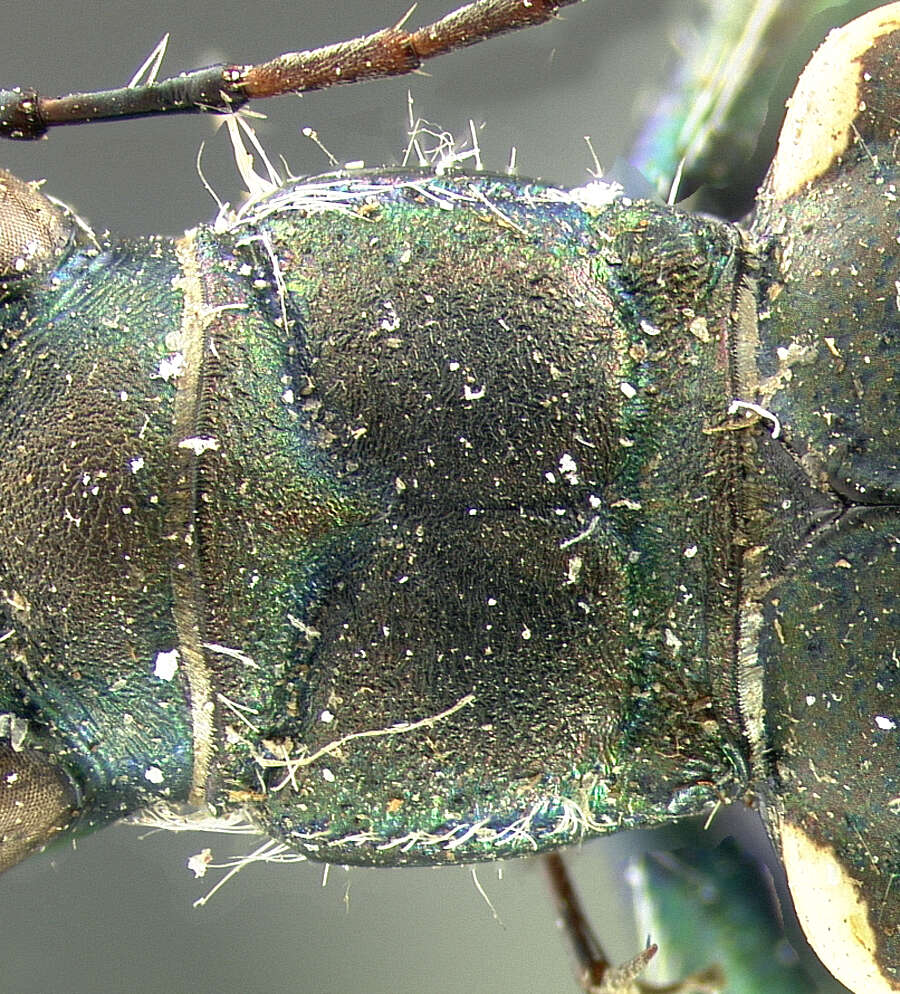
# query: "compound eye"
{"type": "Point", "coordinates": [36, 802]}
{"type": "Point", "coordinates": [33, 232]}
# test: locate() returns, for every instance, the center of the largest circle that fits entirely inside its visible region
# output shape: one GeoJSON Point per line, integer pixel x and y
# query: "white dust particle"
{"type": "Point", "coordinates": [166, 664]}
{"type": "Point", "coordinates": [199, 862]}
{"type": "Point", "coordinates": [170, 366]}
{"type": "Point", "coordinates": [198, 444]}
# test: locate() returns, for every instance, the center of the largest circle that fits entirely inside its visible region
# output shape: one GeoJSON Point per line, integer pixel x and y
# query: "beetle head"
{"type": "Point", "coordinates": [33, 232]}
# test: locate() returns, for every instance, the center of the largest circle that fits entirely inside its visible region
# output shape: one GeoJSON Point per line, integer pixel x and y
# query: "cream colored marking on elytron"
{"type": "Point", "coordinates": [194, 320]}
{"type": "Point", "coordinates": [751, 701]}
{"type": "Point", "coordinates": [832, 913]}
{"type": "Point", "coordinates": [818, 126]}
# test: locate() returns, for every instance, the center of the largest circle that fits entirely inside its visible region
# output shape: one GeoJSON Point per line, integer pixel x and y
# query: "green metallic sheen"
{"type": "Point", "coordinates": [426, 518]}
{"type": "Point", "coordinates": [461, 470]}
{"type": "Point", "coordinates": [518, 387]}
{"type": "Point", "coordinates": [86, 589]}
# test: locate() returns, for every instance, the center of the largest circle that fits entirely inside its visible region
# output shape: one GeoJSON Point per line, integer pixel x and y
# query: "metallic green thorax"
{"type": "Point", "coordinates": [519, 387]}
{"type": "Point", "coordinates": [393, 449]}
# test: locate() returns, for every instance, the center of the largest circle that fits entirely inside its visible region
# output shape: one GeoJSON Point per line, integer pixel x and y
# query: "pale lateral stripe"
{"type": "Point", "coordinates": [194, 320]}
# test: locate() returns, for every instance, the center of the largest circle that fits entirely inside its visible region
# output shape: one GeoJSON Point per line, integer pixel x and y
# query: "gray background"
{"type": "Point", "coordinates": [540, 90]}
{"type": "Point", "coordinates": [115, 915]}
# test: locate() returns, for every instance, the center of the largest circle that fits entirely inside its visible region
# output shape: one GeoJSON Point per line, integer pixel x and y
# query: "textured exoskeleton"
{"type": "Point", "coordinates": [441, 518]}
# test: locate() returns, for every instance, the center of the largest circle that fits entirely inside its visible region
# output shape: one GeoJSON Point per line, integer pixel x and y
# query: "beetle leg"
{"type": "Point", "coordinates": [597, 973]}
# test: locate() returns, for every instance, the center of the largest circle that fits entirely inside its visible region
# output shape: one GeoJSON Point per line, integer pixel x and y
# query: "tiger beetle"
{"type": "Point", "coordinates": [431, 516]}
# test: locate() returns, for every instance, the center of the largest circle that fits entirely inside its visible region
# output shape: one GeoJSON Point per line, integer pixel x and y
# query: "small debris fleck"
{"type": "Point", "coordinates": [672, 640]}
{"type": "Point", "coordinates": [569, 468]}
{"type": "Point", "coordinates": [199, 862]}
{"type": "Point", "coordinates": [16, 728]}
{"type": "Point", "coordinates": [198, 444]}
{"type": "Point", "coordinates": [573, 570]}
{"type": "Point", "coordinates": [170, 367]}
{"type": "Point", "coordinates": [391, 320]}
{"type": "Point", "coordinates": [165, 664]}
{"type": "Point", "coordinates": [698, 328]}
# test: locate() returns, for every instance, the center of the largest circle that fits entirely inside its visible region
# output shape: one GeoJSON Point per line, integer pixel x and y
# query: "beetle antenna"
{"type": "Point", "coordinates": [26, 115]}
{"type": "Point", "coordinates": [598, 974]}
